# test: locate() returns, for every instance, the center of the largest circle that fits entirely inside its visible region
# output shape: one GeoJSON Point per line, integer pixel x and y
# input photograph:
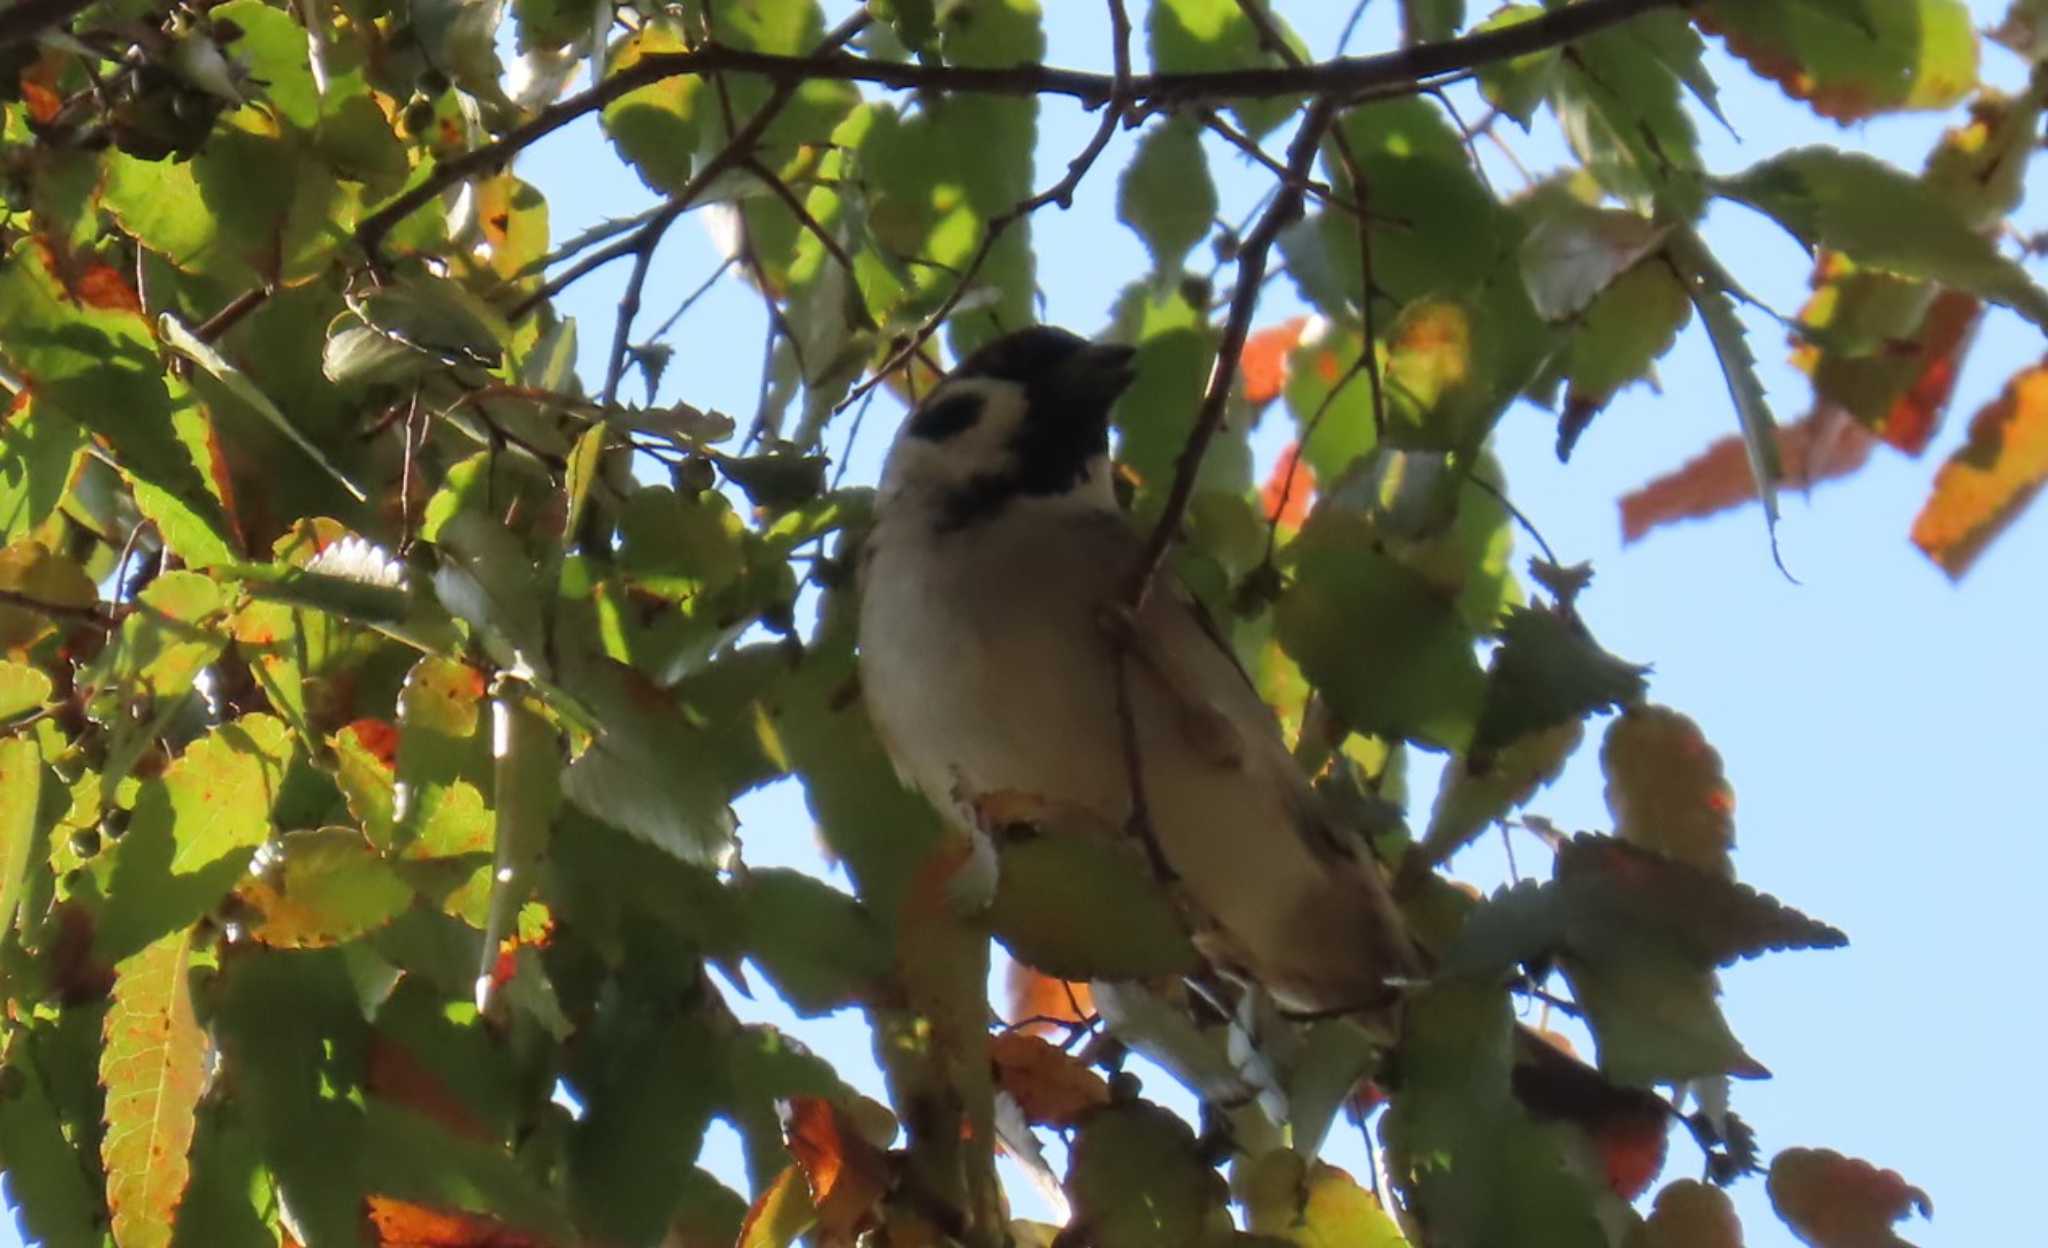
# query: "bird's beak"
{"type": "Point", "coordinates": [1095, 375]}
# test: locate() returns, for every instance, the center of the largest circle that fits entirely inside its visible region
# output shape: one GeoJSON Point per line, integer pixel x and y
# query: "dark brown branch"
{"type": "Point", "coordinates": [1408, 68]}
{"type": "Point", "coordinates": [1284, 211]}
{"type": "Point", "coordinates": [231, 314]}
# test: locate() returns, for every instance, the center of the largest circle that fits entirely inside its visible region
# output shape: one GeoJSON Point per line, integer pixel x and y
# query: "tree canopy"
{"type": "Point", "coordinates": [376, 689]}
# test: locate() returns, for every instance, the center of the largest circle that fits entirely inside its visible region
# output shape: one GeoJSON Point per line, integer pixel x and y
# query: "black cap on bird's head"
{"type": "Point", "coordinates": [1026, 414]}
{"type": "Point", "coordinates": [1065, 374]}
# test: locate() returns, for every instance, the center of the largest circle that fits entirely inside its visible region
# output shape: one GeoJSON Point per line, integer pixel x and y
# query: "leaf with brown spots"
{"type": "Point", "coordinates": [1987, 483]}
{"type": "Point", "coordinates": [152, 1067]}
{"type": "Point", "coordinates": [1666, 789]}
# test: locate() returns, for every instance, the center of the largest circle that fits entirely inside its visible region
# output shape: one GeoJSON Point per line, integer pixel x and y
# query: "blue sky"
{"type": "Point", "coordinates": [1879, 725]}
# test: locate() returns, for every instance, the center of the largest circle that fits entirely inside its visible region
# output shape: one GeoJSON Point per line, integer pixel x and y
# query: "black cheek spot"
{"type": "Point", "coordinates": [935, 422]}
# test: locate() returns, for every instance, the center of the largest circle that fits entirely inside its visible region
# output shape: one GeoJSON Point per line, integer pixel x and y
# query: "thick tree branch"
{"type": "Point", "coordinates": [1284, 211]}
{"type": "Point", "coordinates": [1407, 68]}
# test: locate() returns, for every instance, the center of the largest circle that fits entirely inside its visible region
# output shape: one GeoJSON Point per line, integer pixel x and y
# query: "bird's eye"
{"type": "Point", "coordinates": [941, 420]}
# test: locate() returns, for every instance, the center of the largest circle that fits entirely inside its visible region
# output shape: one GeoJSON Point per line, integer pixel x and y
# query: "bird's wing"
{"type": "Point", "coordinates": [1222, 717]}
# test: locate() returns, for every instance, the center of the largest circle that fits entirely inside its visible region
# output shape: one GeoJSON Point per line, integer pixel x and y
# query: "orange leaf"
{"type": "Point", "coordinates": [1263, 363]}
{"type": "Point", "coordinates": [1289, 490]}
{"type": "Point", "coordinates": [1992, 478]}
{"type": "Point", "coordinates": [1937, 353]}
{"type": "Point", "coordinates": [1038, 1003]}
{"type": "Point", "coordinates": [402, 1224]}
{"type": "Point", "coordinates": [1053, 1087]}
{"type": "Point", "coordinates": [1834, 1201]}
{"type": "Point", "coordinates": [103, 286]}
{"type": "Point", "coordinates": [1827, 444]}
{"type": "Point", "coordinates": [378, 737]}
{"type": "Point", "coordinates": [847, 1175]}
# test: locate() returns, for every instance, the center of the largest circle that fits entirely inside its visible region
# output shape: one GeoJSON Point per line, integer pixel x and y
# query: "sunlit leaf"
{"type": "Point", "coordinates": [1166, 195]}
{"type": "Point", "coordinates": [1852, 58]}
{"type": "Point", "coordinates": [1990, 480]}
{"type": "Point", "coordinates": [153, 1066]}
{"type": "Point", "coordinates": [1885, 219]}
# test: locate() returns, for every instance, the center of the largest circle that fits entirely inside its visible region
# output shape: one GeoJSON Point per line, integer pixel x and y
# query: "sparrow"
{"type": "Point", "coordinates": [990, 632]}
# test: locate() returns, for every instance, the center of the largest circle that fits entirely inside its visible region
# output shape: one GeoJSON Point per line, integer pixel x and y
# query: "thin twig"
{"type": "Point", "coordinates": [690, 300]}
{"type": "Point", "coordinates": [1116, 102]}
{"type": "Point", "coordinates": [1408, 69]}
{"type": "Point", "coordinates": [790, 200]}
{"type": "Point", "coordinates": [852, 437]}
{"type": "Point", "coordinates": [1527, 525]}
{"type": "Point", "coordinates": [1284, 211]}
{"type": "Point", "coordinates": [231, 314]}
{"type": "Point", "coordinates": [1213, 121]}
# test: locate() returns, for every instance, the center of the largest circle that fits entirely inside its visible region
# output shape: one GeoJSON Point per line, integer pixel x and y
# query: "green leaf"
{"type": "Point", "coordinates": [822, 948]}
{"type": "Point", "coordinates": [94, 362]}
{"type": "Point", "coordinates": [153, 1066]}
{"type": "Point", "coordinates": [1192, 36]}
{"type": "Point", "coordinates": [1517, 85]}
{"type": "Point", "coordinates": [1638, 935]}
{"type": "Point", "coordinates": [1460, 1148]}
{"type": "Point", "coordinates": [1618, 101]}
{"type": "Point", "coordinates": [1165, 193]}
{"type": "Point", "coordinates": [321, 886]}
{"type": "Point", "coordinates": [1081, 903]}
{"type": "Point", "coordinates": [231, 1200]}
{"type": "Point", "coordinates": [1153, 417]}
{"type": "Point", "coordinates": [1314, 1205]}
{"type": "Point", "coordinates": [1137, 1178]}
{"type": "Point", "coordinates": [254, 207]}
{"type": "Point", "coordinates": [1549, 671]}
{"type": "Point", "coordinates": [1850, 59]}
{"type": "Point", "coordinates": [37, 444]}
{"type": "Point", "coordinates": [292, 1045]}
{"type": "Point", "coordinates": [1617, 340]}
{"type": "Point", "coordinates": [22, 689]}
{"type": "Point", "coordinates": [656, 127]}
{"type": "Point", "coordinates": [1711, 297]}
{"type": "Point", "coordinates": [644, 772]}
{"type": "Point", "coordinates": [46, 1170]}
{"type": "Point", "coordinates": [182, 340]}
{"type": "Point", "coordinates": [640, 1069]}
{"type": "Point", "coordinates": [27, 812]}
{"type": "Point", "coordinates": [1382, 643]}
{"type": "Point", "coordinates": [1477, 789]}
{"type": "Point", "coordinates": [194, 831]}
{"type": "Point", "coordinates": [1416, 170]}
{"type": "Point", "coordinates": [1431, 21]}
{"type": "Point", "coordinates": [272, 47]}
{"type": "Point", "coordinates": [1607, 895]}
{"type": "Point", "coordinates": [488, 579]}
{"type": "Point", "coordinates": [1885, 219]}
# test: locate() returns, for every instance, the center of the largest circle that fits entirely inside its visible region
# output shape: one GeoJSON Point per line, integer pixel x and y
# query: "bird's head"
{"type": "Point", "coordinates": [1025, 416]}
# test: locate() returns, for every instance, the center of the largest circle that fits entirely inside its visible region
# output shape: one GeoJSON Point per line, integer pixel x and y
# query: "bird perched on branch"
{"type": "Point", "coordinates": [995, 614]}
